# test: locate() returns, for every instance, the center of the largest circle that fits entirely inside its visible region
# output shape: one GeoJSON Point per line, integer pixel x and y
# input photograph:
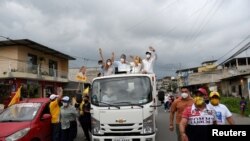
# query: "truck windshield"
{"type": "Point", "coordinates": [121, 91]}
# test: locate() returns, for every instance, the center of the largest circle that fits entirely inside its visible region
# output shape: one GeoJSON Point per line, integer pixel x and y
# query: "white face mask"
{"type": "Point", "coordinates": [109, 63]}
{"type": "Point", "coordinates": [65, 104]}
{"type": "Point", "coordinates": [148, 56]}
{"type": "Point", "coordinates": [184, 95]}
{"type": "Point", "coordinates": [122, 60]}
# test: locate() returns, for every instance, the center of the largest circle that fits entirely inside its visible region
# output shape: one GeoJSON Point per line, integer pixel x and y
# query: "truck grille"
{"type": "Point", "coordinates": [121, 124]}
{"type": "Point", "coordinates": [121, 129]}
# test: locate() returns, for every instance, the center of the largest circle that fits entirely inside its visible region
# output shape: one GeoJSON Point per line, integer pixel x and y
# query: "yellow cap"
{"type": "Point", "coordinates": [214, 94]}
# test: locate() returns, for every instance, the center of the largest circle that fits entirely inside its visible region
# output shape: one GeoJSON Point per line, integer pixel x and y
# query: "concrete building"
{"type": "Point", "coordinates": [230, 77]}
{"type": "Point", "coordinates": [37, 68]}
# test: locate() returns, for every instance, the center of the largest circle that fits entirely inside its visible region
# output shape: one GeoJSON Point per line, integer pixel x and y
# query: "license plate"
{"type": "Point", "coordinates": [121, 139]}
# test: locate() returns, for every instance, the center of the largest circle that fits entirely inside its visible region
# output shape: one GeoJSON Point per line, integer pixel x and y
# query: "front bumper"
{"type": "Point", "coordinates": [124, 138]}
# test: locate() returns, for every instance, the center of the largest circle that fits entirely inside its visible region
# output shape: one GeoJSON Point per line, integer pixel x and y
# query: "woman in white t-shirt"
{"type": "Point", "coordinates": [136, 65]}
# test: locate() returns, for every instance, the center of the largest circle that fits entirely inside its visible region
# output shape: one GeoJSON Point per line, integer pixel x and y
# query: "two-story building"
{"type": "Point", "coordinates": [230, 77]}
{"type": "Point", "coordinates": [37, 68]}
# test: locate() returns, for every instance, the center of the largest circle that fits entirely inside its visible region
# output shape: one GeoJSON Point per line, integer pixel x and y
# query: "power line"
{"type": "Point", "coordinates": [174, 27]}
{"type": "Point", "coordinates": [202, 8]}
{"type": "Point", "coordinates": [247, 46]}
{"type": "Point", "coordinates": [234, 47]}
{"type": "Point", "coordinates": [205, 22]}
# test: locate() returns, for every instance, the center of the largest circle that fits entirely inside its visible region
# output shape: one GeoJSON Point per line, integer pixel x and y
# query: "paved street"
{"type": "Point", "coordinates": [162, 124]}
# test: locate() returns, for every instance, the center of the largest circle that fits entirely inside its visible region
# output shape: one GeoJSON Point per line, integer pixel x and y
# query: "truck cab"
{"type": "Point", "coordinates": [123, 108]}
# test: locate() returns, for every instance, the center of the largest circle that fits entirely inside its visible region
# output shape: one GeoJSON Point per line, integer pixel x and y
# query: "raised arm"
{"type": "Point", "coordinates": [101, 55]}
{"type": "Point", "coordinates": [113, 57]}
{"type": "Point", "coordinates": [154, 55]}
{"type": "Point", "coordinates": [59, 93]}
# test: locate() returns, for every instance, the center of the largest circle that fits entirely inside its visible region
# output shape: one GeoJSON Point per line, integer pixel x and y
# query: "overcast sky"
{"type": "Point", "coordinates": [183, 32]}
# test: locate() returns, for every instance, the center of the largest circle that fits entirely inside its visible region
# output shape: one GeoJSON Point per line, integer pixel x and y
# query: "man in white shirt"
{"type": "Point", "coordinates": [222, 112]}
{"type": "Point", "coordinates": [122, 65]}
{"type": "Point", "coordinates": [148, 62]}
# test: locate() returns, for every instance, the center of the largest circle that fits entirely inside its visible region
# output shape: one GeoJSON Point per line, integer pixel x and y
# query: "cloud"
{"type": "Point", "coordinates": [184, 33]}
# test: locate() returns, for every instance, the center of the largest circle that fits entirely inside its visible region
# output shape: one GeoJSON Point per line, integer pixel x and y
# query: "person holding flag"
{"type": "Point", "coordinates": [81, 75]}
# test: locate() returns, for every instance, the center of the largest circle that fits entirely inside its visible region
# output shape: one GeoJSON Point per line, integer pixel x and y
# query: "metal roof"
{"type": "Point", "coordinates": [31, 44]}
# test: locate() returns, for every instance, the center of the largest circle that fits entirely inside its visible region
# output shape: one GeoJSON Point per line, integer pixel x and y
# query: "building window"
{"type": "Point", "coordinates": [242, 61]}
{"type": "Point", "coordinates": [52, 68]}
{"type": "Point", "coordinates": [5, 92]}
{"type": "Point", "coordinates": [30, 90]}
{"type": "Point", "coordinates": [32, 63]}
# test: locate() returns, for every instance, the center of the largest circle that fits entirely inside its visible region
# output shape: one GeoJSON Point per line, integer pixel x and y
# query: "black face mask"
{"type": "Point", "coordinates": [77, 105]}
{"type": "Point", "coordinates": [207, 101]}
{"type": "Point", "coordinates": [85, 100]}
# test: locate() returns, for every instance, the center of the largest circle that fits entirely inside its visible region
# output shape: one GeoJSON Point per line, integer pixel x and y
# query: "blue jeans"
{"type": "Point", "coordinates": [56, 129]}
{"type": "Point", "coordinates": [166, 105]}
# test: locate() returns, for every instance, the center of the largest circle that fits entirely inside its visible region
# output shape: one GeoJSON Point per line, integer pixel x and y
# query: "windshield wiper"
{"type": "Point", "coordinates": [132, 104]}
{"type": "Point", "coordinates": [110, 105]}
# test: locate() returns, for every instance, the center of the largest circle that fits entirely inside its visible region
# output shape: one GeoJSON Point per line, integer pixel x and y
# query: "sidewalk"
{"type": "Point", "coordinates": [238, 119]}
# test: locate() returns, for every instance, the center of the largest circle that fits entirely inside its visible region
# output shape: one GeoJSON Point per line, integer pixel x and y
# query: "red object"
{"type": "Point", "coordinates": [203, 91]}
{"type": "Point", "coordinates": [40, 125]}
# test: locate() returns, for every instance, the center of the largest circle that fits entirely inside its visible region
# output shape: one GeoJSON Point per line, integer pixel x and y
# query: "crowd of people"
{"type": "Point", "coordinates": [136, 65]}
{"type": "Point", "coordinates": [188, 114]}
{"type": "Point", "coordinates": [66, 112]}
{"type": "Point", "coordinates": [193, 113]}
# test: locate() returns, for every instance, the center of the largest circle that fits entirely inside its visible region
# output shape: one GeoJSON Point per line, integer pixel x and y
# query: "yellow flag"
{"type": "Point", "coordinates": [86, 91]}
{"type": "Point", "coordinates": [81, 77]}
{"type": "Point", "coordinates": [16, 97]}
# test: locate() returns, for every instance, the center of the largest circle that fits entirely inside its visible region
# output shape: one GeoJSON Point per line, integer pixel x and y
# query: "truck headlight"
{"type": "Point", "coordinates": [19, 134]}
{"type": "Point", "coordinates": [95, 125]}
{"type": "Point", "coordinates": [148, 125]}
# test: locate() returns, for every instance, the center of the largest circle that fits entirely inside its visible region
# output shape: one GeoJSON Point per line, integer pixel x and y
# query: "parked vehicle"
{"type": "Point", "coordinates": [123, 107]}
{"type": "Point", "coordinates": [27, 120]}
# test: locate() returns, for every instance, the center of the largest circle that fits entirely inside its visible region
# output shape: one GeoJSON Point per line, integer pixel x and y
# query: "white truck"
{"type": "Point", "coordinates": [123, 108]}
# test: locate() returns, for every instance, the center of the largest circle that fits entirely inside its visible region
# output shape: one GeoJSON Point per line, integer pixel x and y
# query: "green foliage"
{"type": "Point", "coordinates": [233, 104]}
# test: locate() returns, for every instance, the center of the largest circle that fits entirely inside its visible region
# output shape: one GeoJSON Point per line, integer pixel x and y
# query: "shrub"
{"type": "Point", "coordinates": [233, 104]}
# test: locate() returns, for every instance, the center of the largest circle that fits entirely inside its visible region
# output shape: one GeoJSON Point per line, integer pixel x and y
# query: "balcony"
{"type": "Point", "coordinates": [38, 72]}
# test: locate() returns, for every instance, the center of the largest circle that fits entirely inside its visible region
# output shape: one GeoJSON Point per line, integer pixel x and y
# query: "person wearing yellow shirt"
{"type": "Point", "coordinates": [54, 109]}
